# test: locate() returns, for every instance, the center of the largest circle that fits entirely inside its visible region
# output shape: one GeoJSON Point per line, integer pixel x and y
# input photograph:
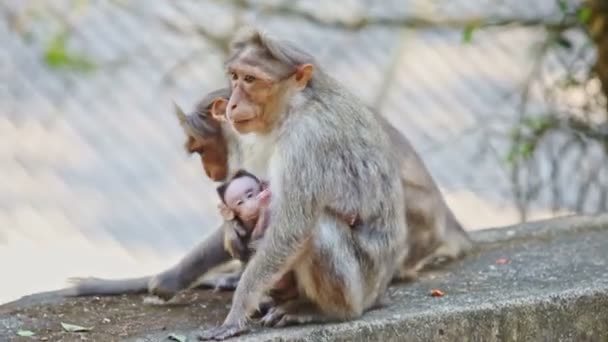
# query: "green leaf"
{"type": "Point", "coordinates": [25, 333]}
{"type": "Point", "coordinates": [57, 55]}
{"type": "Point", "coordinates": [75, 328]}
{"type": "Point", "coordinates": [178, 338]}
{"type": "Point", "coordinates": [538, 123]}
{"type": "Point", "coordinates": [467, 34]}
{"type": "Point", "coordinates": [584, 15]}
{"type": "Point", "coordinates": [526, 149]}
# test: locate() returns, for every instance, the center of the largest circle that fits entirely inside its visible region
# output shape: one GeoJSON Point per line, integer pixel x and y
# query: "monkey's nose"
{"type": "Point", "coordinates": [233, 107]}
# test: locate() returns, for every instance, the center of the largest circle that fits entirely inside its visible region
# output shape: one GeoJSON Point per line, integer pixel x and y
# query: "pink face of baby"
{"type": "Point", "coordinates": [241, 196]}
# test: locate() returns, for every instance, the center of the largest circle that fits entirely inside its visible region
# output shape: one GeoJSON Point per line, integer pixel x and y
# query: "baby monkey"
{"type": "Point", "coordinates": [245, 199]}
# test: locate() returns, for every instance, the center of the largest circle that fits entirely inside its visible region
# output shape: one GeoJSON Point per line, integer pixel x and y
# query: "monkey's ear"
{"type": "Point", "coordinates": [304, 74]}
{"type": "Point", "coordinates": [179, 112]}
{"type": "Point", "coordinates": [218, 109]}
{"type": "Point", "coordinates": [226, 213]}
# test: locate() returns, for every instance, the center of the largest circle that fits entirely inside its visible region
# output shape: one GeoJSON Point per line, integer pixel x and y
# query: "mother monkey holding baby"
{"type": "Point", "coordinates": [320, 147]}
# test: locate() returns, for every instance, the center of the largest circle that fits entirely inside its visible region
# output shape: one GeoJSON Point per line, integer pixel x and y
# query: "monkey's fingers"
{"type": "Point", "coordinates": [273, 316]}
{"type": "Point", "coordinates": [264, 197]}
{"type": "Point", "coordinates": [295, 319]}
{"type": "Point", "coordinates": [222, 332]}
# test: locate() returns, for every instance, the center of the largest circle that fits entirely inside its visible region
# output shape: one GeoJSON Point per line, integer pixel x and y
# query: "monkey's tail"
{"type": "Point", "coordinates": [82, 287]}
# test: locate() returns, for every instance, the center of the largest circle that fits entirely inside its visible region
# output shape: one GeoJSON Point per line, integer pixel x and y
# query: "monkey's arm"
{"type": "Point", "coordinates": [292, 218]}
{"type": "Point", "coordinates": [235, 240]}
{"type": "Point", "coordinates": [261, 225]}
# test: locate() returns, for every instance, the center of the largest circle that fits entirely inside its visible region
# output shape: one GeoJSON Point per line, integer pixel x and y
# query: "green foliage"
{"type": "Point", "coordinates": [525, 137]}
{"type": "Point", "coordinates": [74, 328]}
{"type": "Point", "coordinates": [584, 15]}
{"type": "Point", "coordinates": [57, 55]}
{"type": "Point", "coordinates": [467, 34]}
{"type": "Point", "coordinates": [25, 333]}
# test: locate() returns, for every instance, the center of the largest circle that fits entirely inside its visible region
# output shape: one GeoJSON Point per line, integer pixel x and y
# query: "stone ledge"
{"type": "Point", "coordinates": [551, 283]}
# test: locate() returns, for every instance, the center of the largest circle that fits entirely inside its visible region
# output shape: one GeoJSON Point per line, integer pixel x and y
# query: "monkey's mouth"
{"type": "Point", "coordinates": [241, 121]}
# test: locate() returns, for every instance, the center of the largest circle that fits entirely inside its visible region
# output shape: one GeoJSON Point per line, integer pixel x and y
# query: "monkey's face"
{"type": "Point", "coordinates": [241, 196]}
{"type": "Point", "coordinates": [213, 153]}
{"type": "Point", "coordinates": [258, 89]}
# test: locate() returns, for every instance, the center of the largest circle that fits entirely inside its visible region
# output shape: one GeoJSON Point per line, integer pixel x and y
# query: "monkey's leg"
{"type": "Point", "coordinates": [223, 282]}
{"type": "Point", "coordinates": [434, 234]}
{"type": "Point", "coordinates": [205, 256]}
{"type": "Point", "coordinates": [329, 279]}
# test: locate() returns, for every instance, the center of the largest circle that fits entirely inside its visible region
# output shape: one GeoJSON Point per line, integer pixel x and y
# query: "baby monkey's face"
{"type": "Point", "coordinates": [241, 197]}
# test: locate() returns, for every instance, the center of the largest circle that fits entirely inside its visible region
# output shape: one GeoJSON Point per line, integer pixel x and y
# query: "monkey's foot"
{"type": "Point", "coordinates": [223, 332]}
{"type": "Point", "coordinates": [165, 285]}
{"type": "Point", "coordinates": [226, 282]}
{"type": "Point", "coordinates": [293, 313]}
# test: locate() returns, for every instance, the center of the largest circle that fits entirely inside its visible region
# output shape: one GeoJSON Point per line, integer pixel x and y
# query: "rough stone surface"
{"type": "Point", "coordinates": [544, 281]}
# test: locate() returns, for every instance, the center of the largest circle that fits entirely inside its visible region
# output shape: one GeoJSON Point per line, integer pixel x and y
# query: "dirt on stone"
{"type": "Point", "coordinates": [113, 318]}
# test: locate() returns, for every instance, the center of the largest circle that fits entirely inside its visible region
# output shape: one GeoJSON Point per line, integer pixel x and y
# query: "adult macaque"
{"type": "Point", "coordinates": [322, 148]}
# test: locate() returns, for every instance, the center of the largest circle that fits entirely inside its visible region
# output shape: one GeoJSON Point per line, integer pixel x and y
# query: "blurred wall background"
{"type": "Point", "coordinates": [502, 98]}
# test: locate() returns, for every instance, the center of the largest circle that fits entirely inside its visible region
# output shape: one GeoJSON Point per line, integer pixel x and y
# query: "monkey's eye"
{"type": "Point", "coordinates": [249, 194]}
{"type": "Point", "coordinates": [249, 78]}
{"type": "Point", "coordinates": [239, 203]}
{"type": "Point", "coordinates": [234, 76]}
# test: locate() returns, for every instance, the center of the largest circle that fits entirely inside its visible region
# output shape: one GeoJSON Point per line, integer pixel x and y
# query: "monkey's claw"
{"type": "Point", "coordinates": [222, 332]}
{"type": "Point", "coordinates": [273, 316]}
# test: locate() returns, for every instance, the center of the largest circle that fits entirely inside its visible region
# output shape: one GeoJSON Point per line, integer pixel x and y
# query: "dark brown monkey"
{"type": "Point", "coordinates": [319, 147]}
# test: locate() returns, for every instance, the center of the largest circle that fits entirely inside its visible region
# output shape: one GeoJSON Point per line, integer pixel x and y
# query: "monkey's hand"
{"type": "Point", "coordinates": [229, 329]}
{"type": "Point", "coordinates": [235, 240]}
{"type": "Point", "coordinates": [165, 285]}
{"type": "Point", "coordinates": [264, 197]}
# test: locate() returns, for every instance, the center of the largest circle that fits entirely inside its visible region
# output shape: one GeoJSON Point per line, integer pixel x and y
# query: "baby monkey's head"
{"type": "Point", "coordinates": [240, 197]}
